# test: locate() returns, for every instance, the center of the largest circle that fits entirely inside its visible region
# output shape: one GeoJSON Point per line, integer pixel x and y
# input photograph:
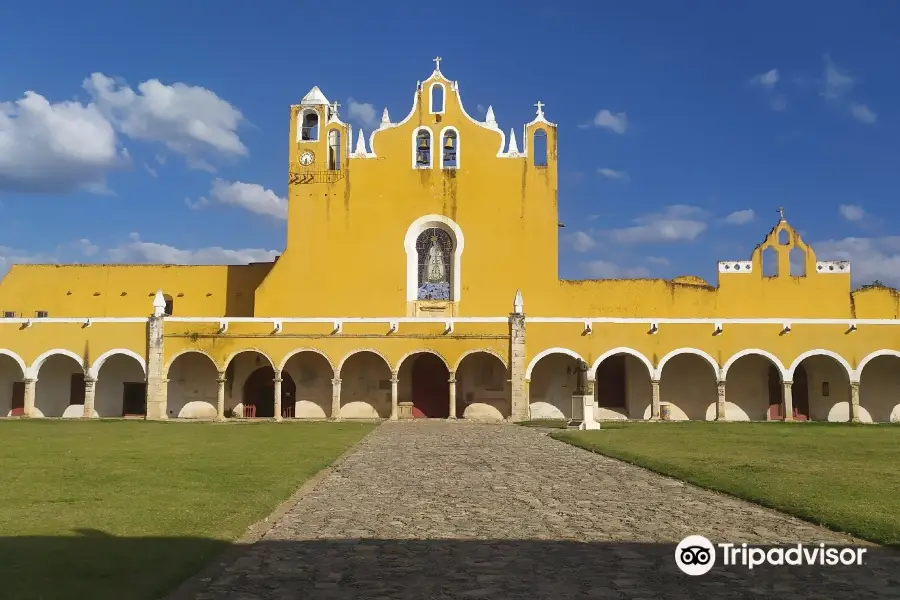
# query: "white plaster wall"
{"type": "Point", "coordinates": [688, 384]}
{"type": "Point", "coordinates": [192, 387]}
{"type": "Point", "coordinates": [10, 372]}
{"type": "Point", "coordinates": [747, 389]}
{"type": "Point", "coordinates": [551, 388]}
{"type": "Point", "coordinates": [879, 390]}
{"type": "Point", "coordinates": [312, 376]}
{"type": "Point", "coordinates": [53, 389]}
{"type": "Point", "coordinates": [363, 396]}
{"type": "Point", "coordinates": [836, 406]}
{"type": "Point", "coordinates": [482, 388]}
{"type": "Point", "coordinates": [115, 372]}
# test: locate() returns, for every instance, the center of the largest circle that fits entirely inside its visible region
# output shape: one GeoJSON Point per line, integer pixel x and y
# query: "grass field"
{"type": "Point", "coordinates": [846, 477]}
{"type": "Point", "coordinates": [122, 510]}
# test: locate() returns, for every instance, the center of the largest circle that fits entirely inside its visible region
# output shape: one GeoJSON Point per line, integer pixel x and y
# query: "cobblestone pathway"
{"type": "Point", "coordinates": [433, 510]}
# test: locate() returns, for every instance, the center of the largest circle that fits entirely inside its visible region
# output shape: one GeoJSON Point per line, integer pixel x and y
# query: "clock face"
{"type": "Point", "coordinates": [307, 158]}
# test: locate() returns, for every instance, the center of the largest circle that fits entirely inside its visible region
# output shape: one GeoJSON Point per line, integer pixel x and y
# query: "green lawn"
{"type": "Point", "coordinates": [122, 510]}
{"type": "Point", "coordinates": [846, 477]}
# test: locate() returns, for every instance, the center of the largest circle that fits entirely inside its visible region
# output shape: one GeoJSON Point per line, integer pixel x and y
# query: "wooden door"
{"type": "Point", "coordinates": [430, 387]}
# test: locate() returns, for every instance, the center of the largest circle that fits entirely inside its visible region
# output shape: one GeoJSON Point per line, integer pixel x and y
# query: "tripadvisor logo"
{"type": "Point", "coordinates": [696, 555]}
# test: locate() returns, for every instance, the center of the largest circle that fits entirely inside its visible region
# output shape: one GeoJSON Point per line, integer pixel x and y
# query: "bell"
{"type": "Point", "coordinates": [423, 143]}
{"type": "Point", "coordinates": [422, 157]}
{"type": "Point", "coordinates": [449, 143]}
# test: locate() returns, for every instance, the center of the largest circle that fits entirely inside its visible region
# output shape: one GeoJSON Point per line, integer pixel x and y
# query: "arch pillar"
{"type": "Point", "coordinates": [720, 401]}
{"type": "Point", "coordinates": [30, 389]}
{"type": "Point", "coordinates": [788, 401]}
{"type": "Point", "coordinates": [654, 400]}
{"type": "Point", "coordinates": [90, 393]}
{"type": "Point", "coordinates": [452, 382]}
{"type": "Point", "coordinates": [157, 383]}
{"type": "Point", "coordinates": [220, 396]}
{"type": "Point", "coordinates": [519, 407]}
{"type": "Point", "coordinates": [395, 394]}
{"type": "Point", "coordinates": [277, 387]}
{"type": "Point", "coordinates": [336, 398]}
{"type": "Point", "coordinates": [854, 401]}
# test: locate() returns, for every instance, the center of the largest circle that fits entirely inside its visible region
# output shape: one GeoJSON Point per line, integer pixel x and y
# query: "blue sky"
{"type": "Point", "coordinates": [125, 128]}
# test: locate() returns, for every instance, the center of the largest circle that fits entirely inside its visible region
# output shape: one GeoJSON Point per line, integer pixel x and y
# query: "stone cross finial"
{"type": "Point", "coordinates": [334, 107]}
{"type": "Point", "coordinates": [159, 304]}
{"type": "Point", "coordinates": [518, 304]}
{"type": "Point", "coordinates": [540, 108]}
{"type": "Point", "coordinates": [781, 212]}
{"type": "Point", "coordinates": [437, 61]}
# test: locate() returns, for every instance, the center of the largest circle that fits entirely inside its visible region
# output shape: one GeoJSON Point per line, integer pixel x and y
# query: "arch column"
{"type": "Point", "coordinates": [336, 398]}
{"type": "Point", "coordinates": [854, 402]}
{"type": "Point", "coordinates": [277, 390]}
{"type": "Point", "coordinates": [519, 401]}
{"type": "Point", "coordinates": [452, 382]}
{"type": "Point", "coordinates": [157, 380]}
{"type": "Point", "coordinates": [30, 389]}
{"type": "Point", "coordinates": [720, 401]}
{"type": "Point", "coordinates": [395, 394]}
{"type": "Point", "coordinates": [788, 401]}
{"type": "Point", "coordinates": [90, 393]}
{"type": "Point", "coordinates": [654, 400]}
{"type": "Point", "coordinates": [220, 396]}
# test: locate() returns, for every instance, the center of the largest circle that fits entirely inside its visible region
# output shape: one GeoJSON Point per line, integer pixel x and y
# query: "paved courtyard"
{"type": "Point", "coordinates": [432, 510]}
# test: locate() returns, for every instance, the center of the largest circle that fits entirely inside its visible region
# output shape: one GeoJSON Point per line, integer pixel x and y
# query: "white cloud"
{"type": "Point", "coordinates": [766, 82]}
{"type": "Point", "coordinates": [740, 217]}
{"type": "Point", "coordinates": [870, 258]}
{"type": "Point", "coordinates": [151, 170]}
{"type": "Point", "coordinates": [862, 113]}
{"type": "Point", "coordinates": [677, 223]}
{"type": "Point", "coordinates": [55, 148]}
{"type": "Point", "coordinates": [138, 251]}
{"type": "Point", "coordinates": [481, 108]}
{"type": "Point", "coordinates": [603, 269]}
{"type": "Point", "coordinates": [616, 122]}
{"type": "Point", "coordinates": [189, 120]}
{"type": "Point", "coordinates": [767, 79]}
{"type": "Point", "coordinates": [249, 196]}
{"type": "Point", "coordinates": [852, 212]}
{"type": "Point", "coordinates": [658, 260]}
{"type": "Point", "coordinates": [836, 81]}
{"type": "Point", "coordinates": [613, 174]}
{"type": "Point", "coordinates": [581, 241]}
{"type": "Point", "coordinates": [363, 113]}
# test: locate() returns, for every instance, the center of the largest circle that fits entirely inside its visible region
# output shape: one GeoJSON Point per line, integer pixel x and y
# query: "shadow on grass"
{"type": "Point", "coordinates": [99, 569]}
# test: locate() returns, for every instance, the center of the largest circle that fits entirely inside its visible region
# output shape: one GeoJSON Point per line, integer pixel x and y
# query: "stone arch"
{"type": "Point", "coordinates": [482, 389]}
{"type": "Point", "coordinates": [12, 383]}
{"type": "Point", "coordinates": [423, 384]}
{"type": "Point", "coordinates": [59, 392]}
{"type": "Point", "coordinates": [547, 352]}
{"type": "Point", "coordinates": [689, 393]}
{"type": "Point", "coordinates": [622, 388]}
{"type": "Point", "coordinates": [552, 378]}
{"type": "Point", "coordinates": [235, 354]}
{"type": "Point", "coordinates": [312, 373]}
{"type": "Point", "coordinates": [879, 387]}
{"type": "Point", "coordinates": [94, 369]}
{"type": "Point", "coordinates": [412, 256]}
{"type": "Point", "coordinates": [449, 158]}
{"type": "Point", "coordinates": [754, 388]}
{"type": "Point", "coordinates": [422, 351]}
{"type": "Point", "coordinates": [365, 378]}
{"type": "Point", "coordinates": [192, 389]}
{"type": "Point", "coordinates": [241, 365]}
{"type": "Point", "coordinates": [826, 395]}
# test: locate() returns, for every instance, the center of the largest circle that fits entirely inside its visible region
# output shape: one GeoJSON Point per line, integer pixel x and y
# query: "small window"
{"type": "Point", "coordinates": [423, 148]}
{"type": "Point", "coordinates": [170, 306]}
{"type": "Point", "coordinates": [539, 148]}
{"type": "Point", "coordinates": [437, 98]}
{"type": "Point", "coordinates": [334, 150]}
{"type": "Point", "coordinates": [309, 126]}
{"type": "Point", "coordinates": [449, 150]}
{"type": "Point", "coordinates": [41, 314]}
{"type": "Point", "coordinates": [9, 314]}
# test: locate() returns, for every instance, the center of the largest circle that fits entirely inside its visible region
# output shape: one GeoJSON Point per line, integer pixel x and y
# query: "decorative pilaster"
{"type": "Point", "coordinates": [156, 382]}
{"type": "Point", "coordinates": [336, 398]}
{"type": "Point", "coordinates": [220, 396]}
{"type": "Point", "coordinates": [654, 400]}
{"type": "Point", "coordinates": [788, 401]}
{"type": "Point", "coordinates": [30, 388]}
{"type": "Point", "coordinates": [517, 366]}
{"type": "Point", "coordinates": [395, 381]}
{"type": "Point", "coordinates": [90, 392]}
{"type": "Point", "coordinates": [452, 382]}
{"type": "Point", "coordinates": [854, 402]}
{"type": "Point", "coordinates": [277, 387]}
{"type": "Point", "coordinates": [720, 401]}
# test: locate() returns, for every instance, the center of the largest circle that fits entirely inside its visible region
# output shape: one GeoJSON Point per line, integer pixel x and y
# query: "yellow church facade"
{"type": "Point", "coordinates": [455, 308]}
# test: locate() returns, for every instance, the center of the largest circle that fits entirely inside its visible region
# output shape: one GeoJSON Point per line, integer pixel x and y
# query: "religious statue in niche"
{"type": "Point", "coordinates": [434, 248]}
{"type": "Point", "coordinates": [581, 378]}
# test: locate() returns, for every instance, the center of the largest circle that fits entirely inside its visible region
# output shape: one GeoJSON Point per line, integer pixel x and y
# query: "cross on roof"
{"type": "Point", "coordinates": [540, 108]}
{"type": "Point", "coordinates": [781, 212]}
{"type": "Point", "coordinates": [334, 106]}
{"type": "Point", "coordinates": [437, 61]}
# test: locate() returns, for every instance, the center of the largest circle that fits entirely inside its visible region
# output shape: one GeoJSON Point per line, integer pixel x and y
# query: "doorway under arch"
{"type": "Point", "coordinates": [259, 393]}
{"type": "Point", "coordinates": [430, 387]}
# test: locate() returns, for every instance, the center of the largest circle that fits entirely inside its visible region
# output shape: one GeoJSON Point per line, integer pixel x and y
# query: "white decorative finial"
{"type": "Point", "coordinates": [513, 145]}
{"type": "Point", "coordinates": [781, 213]}
{"type": "Point", "coordinates": [517, 303]}
{"type": "Point", "coordinates": [489, 118]}
{"type": "Point", "coordinates": [540, 109]}
{"type": "Point", "coordinates": [360, 144]}
{"type": "Point", "coordinates": [334, 107]}
{"type": "Point", "coordinates": [385, 117]}
{"type": "Point", "coordinates": [437, 61]}
{"type": "Point", "coordinates": [159, 304]}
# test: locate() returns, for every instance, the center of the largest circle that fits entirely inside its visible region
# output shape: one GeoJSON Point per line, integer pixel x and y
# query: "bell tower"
{"type": "Point", "coordinates": [309, 143]}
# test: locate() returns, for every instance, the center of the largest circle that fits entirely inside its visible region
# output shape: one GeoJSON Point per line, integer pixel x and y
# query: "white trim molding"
{"type": "Point", "coordinates": [441, 147]}
{"type": "Point", "coordinates": [283, 364]}
{"type": "Point", "coordinates": [412, 258]}
{"type": "Point", "coordinates": [235, 354]}
{"type": "Point", "coordinates": [548, 352]}
{"type": "Point", "coordinates": [35, 367]}
{"type": "Point", "coordinates": [340, 365]}
{"type": "Point", "coordinates": [622, 350]}
{"type": "Point", "coordinates": [180, 353]}
{"type": "Point", "coordinates": [489, 351]}
{"type": "Point", "coordinates": [857, 373]}
{"type": "Point", "coordinates": [820, 352]}
{"type": "Point", "coordinates": [415, 147]}
{"type": "Point", "coordinates": [431, 98]}
{"type": "Point", "coordinates": [754, 352]}
{"type": "Point", "coordinates": [17, 358]}
{"type": "Point", "coordinates": [695, 352]}
{"type": "Point", "coordinates": [94, 369]}
{"type": "Point", "coordinates": [421, 351]}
